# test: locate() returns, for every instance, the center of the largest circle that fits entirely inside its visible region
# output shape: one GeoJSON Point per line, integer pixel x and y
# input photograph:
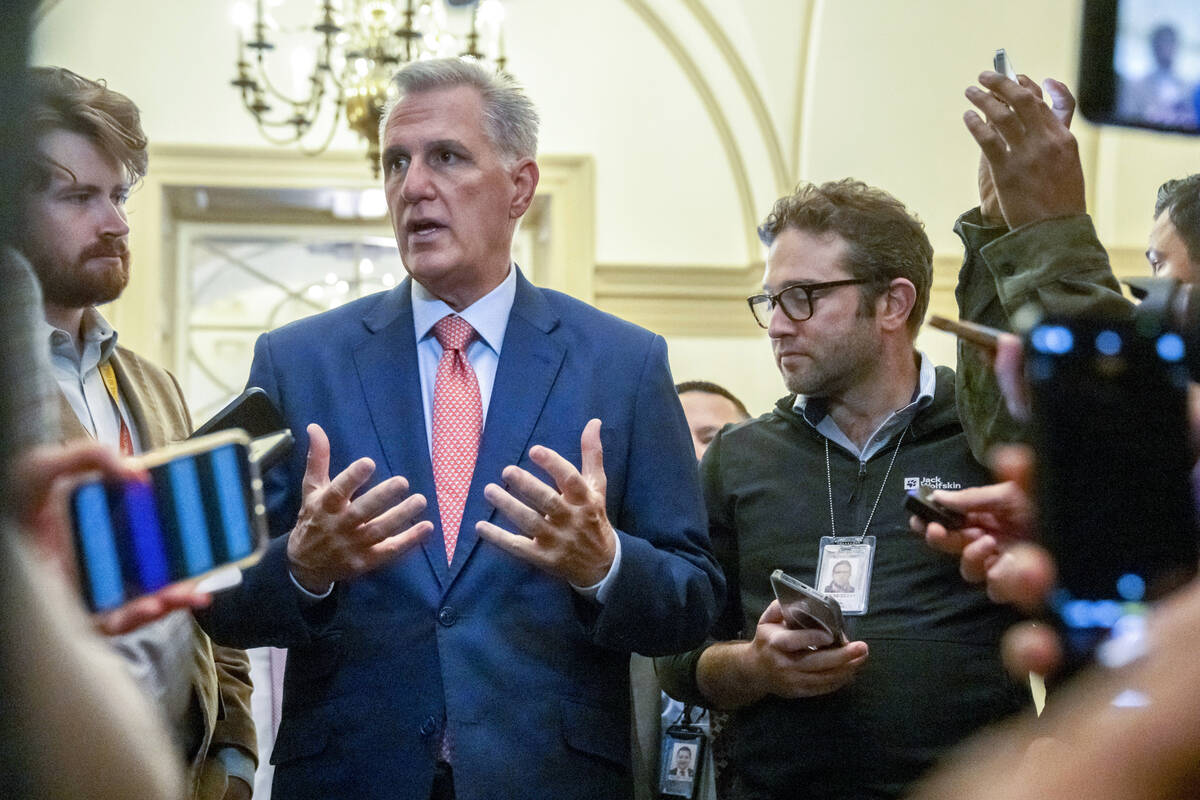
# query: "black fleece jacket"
{"type": "Point", "coordinates": [933, 675]}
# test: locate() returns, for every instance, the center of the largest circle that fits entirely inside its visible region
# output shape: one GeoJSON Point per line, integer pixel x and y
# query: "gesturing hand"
{"type": "Point", "coordinates": [339, 536]}
{"type": "Point", "coordinates": [565, 526]}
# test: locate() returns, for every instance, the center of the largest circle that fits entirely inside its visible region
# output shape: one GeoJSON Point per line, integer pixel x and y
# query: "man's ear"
{"type": "Point", "coordinates": [893, 306]}
{"type": "Point", "coordinates": [525, 179]}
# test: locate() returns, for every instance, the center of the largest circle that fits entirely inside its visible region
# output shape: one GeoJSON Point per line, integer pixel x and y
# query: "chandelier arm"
{"type": "Point", "coordinates": [336, 81]}
{"type": "Point", "coordinates": [297, 138]}
{"type": "Point", "coordinates": [326, 55]}
{"type": "Point", "coordinates": [311, 118]}
{"type": "Point", "coordinates": [269, 85]}
{"type": "Point", "coordinates": [337, 116]}
{"type": "Point", "coordinates": [271, 138]}
{"type": "Point", "coordinates": [373, 48]}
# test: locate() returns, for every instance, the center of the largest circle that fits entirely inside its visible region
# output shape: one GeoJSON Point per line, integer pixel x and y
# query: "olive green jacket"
{"type": "Point", "coordinates": [1054, 266]}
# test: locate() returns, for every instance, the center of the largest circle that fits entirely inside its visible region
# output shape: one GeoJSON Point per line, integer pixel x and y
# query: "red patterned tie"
{"type": "Point", "coordinates": [457, 421]}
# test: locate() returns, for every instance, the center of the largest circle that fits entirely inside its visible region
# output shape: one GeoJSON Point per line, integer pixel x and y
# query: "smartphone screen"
{"type": "Point", "coordinates": [199, 511]}
{"type": "Point", "coordinates": [1112, 472]}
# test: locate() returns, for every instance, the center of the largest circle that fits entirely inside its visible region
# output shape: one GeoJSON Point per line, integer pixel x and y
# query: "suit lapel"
{"type": "Point", "coordinates": [390, 378]}
{"type": "Point", "coordinates": [530, 360]}
{"type": "Point", "coordinates": [69, 426]}
{"type": "Point", "coordinates": [130, 379]}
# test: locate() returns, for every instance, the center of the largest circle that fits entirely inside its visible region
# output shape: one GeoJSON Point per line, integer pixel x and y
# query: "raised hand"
{"type": "Point", "coordinates": [1030, 168]}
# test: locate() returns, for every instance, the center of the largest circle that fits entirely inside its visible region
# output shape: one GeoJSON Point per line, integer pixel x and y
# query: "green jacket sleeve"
{"type": "Point", "coordinates": [1054, 266]}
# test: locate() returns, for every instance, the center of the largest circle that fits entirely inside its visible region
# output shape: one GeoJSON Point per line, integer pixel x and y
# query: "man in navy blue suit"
{"type": "Point", "coordinates": [512, 513]}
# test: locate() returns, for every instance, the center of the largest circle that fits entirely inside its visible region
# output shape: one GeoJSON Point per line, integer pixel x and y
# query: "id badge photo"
{"type": "Point", "coordinates": [844, 571]}
{"type": "Point", "coordinates": [679, 767]}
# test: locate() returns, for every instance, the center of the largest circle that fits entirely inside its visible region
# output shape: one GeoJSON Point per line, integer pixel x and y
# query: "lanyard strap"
{"type": "Point", "coordinates": [829, 484]}
{"type": "Point", "coordinates": [110, 383]}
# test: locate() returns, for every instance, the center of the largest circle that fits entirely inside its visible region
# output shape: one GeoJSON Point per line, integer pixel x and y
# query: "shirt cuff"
{"type": "Point", "coordinates": [600, 591]}
{"type": "Point", "coordinates": [308, 597]}
{"type": "Point", "coordinates": [237, 764]}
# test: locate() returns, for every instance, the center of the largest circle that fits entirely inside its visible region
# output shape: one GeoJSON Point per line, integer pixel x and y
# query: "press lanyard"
{"type": "Point", "coordinates": [829, 485]}
{"type": "Point", "coordinates": [110, 383]}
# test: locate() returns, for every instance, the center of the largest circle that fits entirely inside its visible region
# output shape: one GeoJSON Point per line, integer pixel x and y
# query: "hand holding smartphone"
{"type": "Point", "coordinates": [805, 607]}
{"type": "Point", "coordinates": [201, 510]}
{"type": "Point", "coordinates": [1002, 64]}
{"type": "Point", "coordinates": [918, 501]}
{"type": "Point", "coordinates": [253, 412]}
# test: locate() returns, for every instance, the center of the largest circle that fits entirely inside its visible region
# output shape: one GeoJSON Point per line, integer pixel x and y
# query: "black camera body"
{"type": "Point", "coordinates": [1113, 470]}
{"type": "Point", "coordinates": [1169, 305]}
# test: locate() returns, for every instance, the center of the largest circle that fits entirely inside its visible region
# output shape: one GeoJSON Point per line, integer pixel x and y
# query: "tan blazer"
{"type": "Point", "coordinates": [222, 674]}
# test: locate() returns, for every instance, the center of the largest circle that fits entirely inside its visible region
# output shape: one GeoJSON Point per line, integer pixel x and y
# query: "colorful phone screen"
{"type": "Point", "coordinates": [196, 513]}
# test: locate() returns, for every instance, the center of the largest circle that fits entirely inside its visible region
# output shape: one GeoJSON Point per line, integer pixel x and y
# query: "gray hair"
{"type": "Point", "coordinates": [510, 119]}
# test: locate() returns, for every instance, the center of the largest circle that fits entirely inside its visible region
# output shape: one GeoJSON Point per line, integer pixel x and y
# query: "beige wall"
{"type": "Point", "coordinates": [696, 114]}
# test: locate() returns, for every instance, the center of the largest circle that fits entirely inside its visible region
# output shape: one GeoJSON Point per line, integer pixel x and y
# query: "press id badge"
{"type": "Point", "coordinates": [682, 757]}
{"type": "Point", "coordinates": [844, 571]}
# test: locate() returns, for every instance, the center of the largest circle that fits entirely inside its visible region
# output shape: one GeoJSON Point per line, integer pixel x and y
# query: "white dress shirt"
{"type": "Point", "coordinates": [489, 317]}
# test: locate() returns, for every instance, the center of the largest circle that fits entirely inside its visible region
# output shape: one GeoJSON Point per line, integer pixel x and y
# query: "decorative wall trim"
{"type": "Point", "coordinates": [803, 62]}
{"type": "Point", "coordinates": [141, 314]}
{"type": "Point", "coordinates": [721, 124]}
{"type": "Point", "coordinates": [699, 300]}
{"type": "Point", "coordinates": [749, 88]}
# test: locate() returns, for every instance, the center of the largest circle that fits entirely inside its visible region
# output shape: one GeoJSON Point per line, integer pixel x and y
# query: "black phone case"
{"type": "Point", "coordinates": [252, 411]}
{"type": "Point", "coordinates": [917, 502]}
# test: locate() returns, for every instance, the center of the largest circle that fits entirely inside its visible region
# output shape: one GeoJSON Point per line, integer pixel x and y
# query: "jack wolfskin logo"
{"type": "Point", "coordinates": [934, 482]}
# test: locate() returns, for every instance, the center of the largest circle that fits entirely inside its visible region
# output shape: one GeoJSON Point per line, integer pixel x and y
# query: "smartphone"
{"type": "Point", "coordinates": [200, 511]}
{"type": "Point", "coordinates": [917, 501]}
{"type": "Point", "coordinates": [1135, 68]}
{"type": "Point", "coordinates": [1112, 474]}
{"type": "Point", "coordinates": [252, 411]}
{"type": "Point", "coordinates": [805, 607]}
{"type": "Point", "coordinates": [1002, 64]}
{"type": "Point", "coordinates": [267, 451]}
{"type": "Point", "coordinates": [978, 335]}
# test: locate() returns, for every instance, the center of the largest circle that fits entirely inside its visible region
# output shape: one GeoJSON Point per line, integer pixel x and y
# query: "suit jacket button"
{"type": "Point", "coordinates": [428, 726]}
{"type": "Point", "coordinates": [447, 616]}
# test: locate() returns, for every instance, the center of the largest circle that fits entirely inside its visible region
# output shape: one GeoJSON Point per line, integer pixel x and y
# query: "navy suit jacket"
{"type": "Point", "coordinates": [528, 679]}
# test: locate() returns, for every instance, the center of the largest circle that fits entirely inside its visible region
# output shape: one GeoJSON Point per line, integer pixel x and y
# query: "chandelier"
{"type": "Point", "coordinates": [345, 59]}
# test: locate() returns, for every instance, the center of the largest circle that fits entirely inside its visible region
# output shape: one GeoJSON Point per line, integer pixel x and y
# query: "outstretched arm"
{"type": "Point", "coordinates": [1031, 244]}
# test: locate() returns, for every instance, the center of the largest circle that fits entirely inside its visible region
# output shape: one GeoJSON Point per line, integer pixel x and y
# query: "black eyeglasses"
{"type": "Point", "coordinates": [795, 300]}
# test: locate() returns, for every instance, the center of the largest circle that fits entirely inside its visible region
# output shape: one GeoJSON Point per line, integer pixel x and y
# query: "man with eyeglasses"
{"type": "Point", "coordinates": [820, 480]}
